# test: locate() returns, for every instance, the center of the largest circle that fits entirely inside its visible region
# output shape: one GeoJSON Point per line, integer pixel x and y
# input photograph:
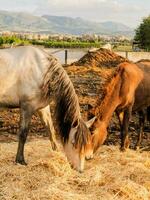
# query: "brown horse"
{"type": "Point", "coordinates": [140, 104]}
{"type": "Point", "coordinates": [143, 113]}
{"type": "Point", "coordinates": [120, 92]}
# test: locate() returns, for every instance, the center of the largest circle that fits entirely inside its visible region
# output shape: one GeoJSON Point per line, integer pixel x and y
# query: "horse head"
{"type": "Point", "coordinates": [98, 132]}
{"type": "Point", "coordinates": [79, 144]}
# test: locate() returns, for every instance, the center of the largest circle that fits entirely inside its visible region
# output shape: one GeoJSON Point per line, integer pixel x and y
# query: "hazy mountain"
{"type": "Point", "coordinates": [14, 21]}
{"type": "Point", "coordinates": [23, 22]}
{"type": "Point", "coordinates": [80, 26]}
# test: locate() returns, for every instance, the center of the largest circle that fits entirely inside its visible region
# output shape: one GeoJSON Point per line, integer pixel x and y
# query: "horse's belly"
{"type": "Point", "coordinates": [9, 97]}
{"type": "Point", "coordinates": [142, 102]}
{"type": "Point", "coordinates": [8, 101]}
{"type": "Point", "coordinates": [142, 95]}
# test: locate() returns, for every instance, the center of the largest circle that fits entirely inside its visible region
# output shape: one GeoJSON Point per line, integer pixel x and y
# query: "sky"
{"type": "Point", "coordinates": [129, 12]}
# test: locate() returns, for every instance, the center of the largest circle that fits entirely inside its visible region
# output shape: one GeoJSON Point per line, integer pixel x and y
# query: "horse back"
{"type": "Point", "coordinates": [131, 77]}
{"type": "Point", "coordinates": [21, 74]}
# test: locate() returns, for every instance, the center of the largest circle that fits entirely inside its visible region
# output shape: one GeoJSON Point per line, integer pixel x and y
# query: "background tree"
{"type": "Point", "coordinates": [142, 35]}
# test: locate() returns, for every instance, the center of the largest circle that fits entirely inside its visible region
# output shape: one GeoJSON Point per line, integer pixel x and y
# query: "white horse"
{"type": "Point", "coordinates": [29, 78]}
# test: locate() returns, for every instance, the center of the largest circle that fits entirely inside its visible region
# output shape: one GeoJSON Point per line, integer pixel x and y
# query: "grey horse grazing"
{"type": "Point", "coordinates": [29, 77]}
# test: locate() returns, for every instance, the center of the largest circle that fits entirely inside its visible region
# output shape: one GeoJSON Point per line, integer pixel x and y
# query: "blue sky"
{"type": "Point", "coordinates": [129, 12]}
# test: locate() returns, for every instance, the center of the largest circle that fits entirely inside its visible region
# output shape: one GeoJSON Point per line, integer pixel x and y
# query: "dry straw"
{"type": "Point", "coordinates": [111, 175]}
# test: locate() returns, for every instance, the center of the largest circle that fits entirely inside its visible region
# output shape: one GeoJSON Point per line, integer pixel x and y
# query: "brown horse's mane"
{"type": "Point", "coordinates": [107, 89]}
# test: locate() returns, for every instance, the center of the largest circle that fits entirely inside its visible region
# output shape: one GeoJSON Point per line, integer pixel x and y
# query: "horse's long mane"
{"type": "Point", "coordinates": [68, 115]}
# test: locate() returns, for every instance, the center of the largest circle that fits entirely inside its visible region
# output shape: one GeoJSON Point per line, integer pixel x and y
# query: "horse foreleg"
{"type": "Point", "coordinates": [25, 118]}
{"type": "Point", "coordinates": [124, 129]}
{"type": "Point", "coordinates": [46, 118]}
{"type": "Point", "coordinates": [142, 119]}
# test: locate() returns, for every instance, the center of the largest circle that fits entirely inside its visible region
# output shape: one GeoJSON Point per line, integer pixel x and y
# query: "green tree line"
{"type": "Point", "coordinates": [66, 44]}
{"type": "Point", "coordinates": [142, 36]}
{"type": "Point", "coordinates": [12, 40]}
{"type": "Point", "coordinates": [9, 40]}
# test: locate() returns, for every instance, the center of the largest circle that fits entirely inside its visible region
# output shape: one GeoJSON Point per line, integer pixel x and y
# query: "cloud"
{"type": "Point", "coordinates": [100, 10]}
{"type": "Point", "coordinates": [19, 5]}
{"type": "Point", "coordinates": [77, 5]}
{"type": "Point", "coordinates": [129, 12]}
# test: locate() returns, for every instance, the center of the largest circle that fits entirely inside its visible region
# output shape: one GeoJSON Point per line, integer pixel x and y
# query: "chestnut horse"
{"type": "Point", "coordinates": [29, 78]}
{"type": "Point", "coordinates": [128, 84]}
{"type": "Point", "coordinates": [142, 98]}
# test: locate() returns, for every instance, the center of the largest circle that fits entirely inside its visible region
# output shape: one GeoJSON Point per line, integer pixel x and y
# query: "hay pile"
{"type": "Point", "coordinates": [111, 175]}
{"type": "Point", "coordinates": [88, 83]}
{"type": "Point", "coordinates": [90, 73]}
{"type": "Point", "coordinates": [100, 58]}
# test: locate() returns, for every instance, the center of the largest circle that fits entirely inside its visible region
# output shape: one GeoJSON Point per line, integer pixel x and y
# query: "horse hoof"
{"type": "Point", "coordinates": [54, 147]}
{"type": "Point", "coordinates": [21, 162]}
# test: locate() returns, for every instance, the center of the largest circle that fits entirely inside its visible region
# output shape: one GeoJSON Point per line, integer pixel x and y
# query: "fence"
{"type": "Point", "coordinates": [67, 56]}
{"type": "Point", "coordinates": [135, 56]}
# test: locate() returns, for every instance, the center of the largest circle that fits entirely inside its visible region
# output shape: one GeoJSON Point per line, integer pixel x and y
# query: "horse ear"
{"type": "Point", "coordinates": [90, 122]}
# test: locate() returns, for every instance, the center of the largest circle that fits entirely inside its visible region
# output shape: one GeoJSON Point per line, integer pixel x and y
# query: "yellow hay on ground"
{"type": "Point", "coordinates": [111, 175]}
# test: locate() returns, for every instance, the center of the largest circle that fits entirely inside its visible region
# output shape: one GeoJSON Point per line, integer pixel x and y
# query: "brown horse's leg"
{"type": "Point", "coordinates": [142, 117]}
{"type": "Point", "coordinates": [25, 118]}
{"type": "Point", "coordinates": [124, 129]}
{"type": "Point", "coordinates": [46, 118]}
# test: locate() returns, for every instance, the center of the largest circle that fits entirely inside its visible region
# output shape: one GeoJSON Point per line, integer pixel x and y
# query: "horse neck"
{"type": "Point", "coordinates": [110, 101]}
{"type": "Point", "coordinates": [105, 110]}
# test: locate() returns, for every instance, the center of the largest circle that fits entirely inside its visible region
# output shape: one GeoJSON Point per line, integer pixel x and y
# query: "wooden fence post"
{"type": "Point", "coordinates": [126, 54]}
{"type": "Point", "coordinates": [66, 56]}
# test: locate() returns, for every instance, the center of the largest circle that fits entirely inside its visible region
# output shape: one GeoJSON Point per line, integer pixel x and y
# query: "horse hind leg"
{"type": "Point", "coordinates": [25, 118]}
{"type": "Point", "coordinates": [46, 118]}
{"type": "Point", "coordinates": [142, 119]}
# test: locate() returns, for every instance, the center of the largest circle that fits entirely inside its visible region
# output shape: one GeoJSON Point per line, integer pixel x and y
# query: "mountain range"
{"type": "Point", "coordinates": [21, 21]}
